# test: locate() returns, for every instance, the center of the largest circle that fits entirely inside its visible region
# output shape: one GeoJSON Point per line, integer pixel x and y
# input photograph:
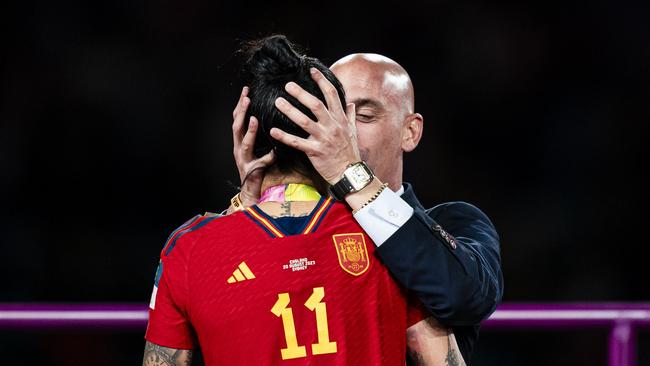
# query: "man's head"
{"type": "Point", "coordinates": [387, 125]}
{"type": "Point", "coordinates": [272, 63]}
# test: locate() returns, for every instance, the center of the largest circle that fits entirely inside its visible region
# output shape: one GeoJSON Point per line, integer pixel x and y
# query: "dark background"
{"type": "Point", "coordinates": [115, 129]}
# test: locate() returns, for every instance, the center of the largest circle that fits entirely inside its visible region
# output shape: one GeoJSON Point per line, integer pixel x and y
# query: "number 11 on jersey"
{"type": "Point", "coordinates": [314, 303]}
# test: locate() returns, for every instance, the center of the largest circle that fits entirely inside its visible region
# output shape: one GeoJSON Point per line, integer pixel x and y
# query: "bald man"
{"type": "Point", "coordinates": [447, 255]}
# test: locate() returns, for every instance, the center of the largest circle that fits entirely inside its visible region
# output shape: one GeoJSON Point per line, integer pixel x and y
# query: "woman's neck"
{"type": "Point", "coordinates": [275, 178]}
{"type": "Point", "coordinates": [284, 209]}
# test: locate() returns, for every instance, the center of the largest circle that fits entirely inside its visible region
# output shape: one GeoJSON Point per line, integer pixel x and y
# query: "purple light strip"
{"type": "Point", "coordinates": [47, 316]}
{"type": "Point", "coordinates": [623, 319]}
{"type": "Point", "coordinates": [506, 317]}
{"type": "Point", "coordinates": [562, 316]}
{"type": "Point", "coordinates": [622, 345]}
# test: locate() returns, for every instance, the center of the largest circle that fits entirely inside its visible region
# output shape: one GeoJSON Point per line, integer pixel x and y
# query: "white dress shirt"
{"type": "Point", "coordinates": [382, 217]}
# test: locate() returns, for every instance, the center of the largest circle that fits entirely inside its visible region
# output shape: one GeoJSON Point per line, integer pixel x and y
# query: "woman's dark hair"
{"type": "Point", "coordinates": [273, 62]}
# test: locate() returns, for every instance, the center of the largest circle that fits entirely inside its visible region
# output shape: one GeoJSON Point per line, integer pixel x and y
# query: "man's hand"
{"type": "Point", "coordinates": [251, 169]}
{"type": "Point", "coordinates": [332, 143]}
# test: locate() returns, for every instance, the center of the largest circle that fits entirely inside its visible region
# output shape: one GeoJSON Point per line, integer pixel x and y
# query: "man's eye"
{"type": "Point", "coordinates": [364, 117]}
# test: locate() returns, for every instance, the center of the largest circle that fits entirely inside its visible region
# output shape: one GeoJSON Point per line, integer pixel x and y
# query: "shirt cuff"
{"type": "Point", "coordinates": [382, 217]}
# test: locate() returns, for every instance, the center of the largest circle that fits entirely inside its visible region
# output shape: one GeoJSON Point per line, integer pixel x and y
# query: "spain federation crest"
{"type": "Point", "coordinates": [352, 253]}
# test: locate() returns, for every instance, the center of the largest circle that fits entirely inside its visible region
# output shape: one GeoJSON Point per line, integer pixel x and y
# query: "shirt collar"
{"type": "Point", "coordinates": [409, 196]}
{"type": "Point", "coordinates": [400, 191]}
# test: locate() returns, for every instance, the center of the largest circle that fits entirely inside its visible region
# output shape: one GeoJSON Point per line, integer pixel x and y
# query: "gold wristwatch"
{"type": "Point", "coordinates": [355, 177]}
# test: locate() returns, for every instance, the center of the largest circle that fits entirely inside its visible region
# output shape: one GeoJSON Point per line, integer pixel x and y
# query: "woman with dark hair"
{"type": "Point", "coordinates": [272, 63]}
{"type": "Point", "coordinates": [292, 280]}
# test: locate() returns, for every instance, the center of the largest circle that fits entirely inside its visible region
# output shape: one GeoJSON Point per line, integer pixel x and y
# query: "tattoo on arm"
{"type": "Point", "coordinates": [416, 357]}
{"type": "Point", "coordinates": [155, 355]}
{"type": "Point", "coordinates": [452, 358]}
{"type": "Point", "coordinates": [432, 344]}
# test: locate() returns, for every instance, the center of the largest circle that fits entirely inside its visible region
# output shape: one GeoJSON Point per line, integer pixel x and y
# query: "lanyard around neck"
{"type": "Point", "coordinates": [290, 192]}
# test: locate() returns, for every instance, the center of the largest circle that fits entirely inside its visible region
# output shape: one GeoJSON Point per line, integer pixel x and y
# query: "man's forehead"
{"type": "Point", "coordinates": [374, 77]}
{"type": "Point", "coordinates": [363, 90]}
{"type": "Point", "coordinates": [372, 72]}
{"type": "Point", "coordinates": [363, 101]}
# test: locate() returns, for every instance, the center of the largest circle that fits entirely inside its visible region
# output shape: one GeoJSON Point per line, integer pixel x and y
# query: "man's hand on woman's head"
{"type": "Point", "coordinates": [332, 143]}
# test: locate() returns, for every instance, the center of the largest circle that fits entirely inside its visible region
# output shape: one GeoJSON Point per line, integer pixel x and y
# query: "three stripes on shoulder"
{"type": "Point", "coordinates": [242, 273]}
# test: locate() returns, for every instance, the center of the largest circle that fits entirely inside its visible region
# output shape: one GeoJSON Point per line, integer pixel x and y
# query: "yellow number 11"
{"type": "Point", "coordinates": [314, 303]}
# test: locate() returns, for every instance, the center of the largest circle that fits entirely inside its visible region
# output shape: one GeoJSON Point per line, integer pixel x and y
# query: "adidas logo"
{"type": "Point", "coordinates": [242, 273]}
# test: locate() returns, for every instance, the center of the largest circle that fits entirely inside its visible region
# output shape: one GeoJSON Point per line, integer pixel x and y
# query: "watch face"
{"type": "Point", "coordinates": [358, 176]}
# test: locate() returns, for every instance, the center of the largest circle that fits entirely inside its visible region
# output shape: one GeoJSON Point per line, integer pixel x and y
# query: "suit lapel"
{"type": "Point", "coordinates": [409, 197]}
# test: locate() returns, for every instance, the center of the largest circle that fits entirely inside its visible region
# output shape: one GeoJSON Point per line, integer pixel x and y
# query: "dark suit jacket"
{"type": "Point", "coordinates": [459, 286]}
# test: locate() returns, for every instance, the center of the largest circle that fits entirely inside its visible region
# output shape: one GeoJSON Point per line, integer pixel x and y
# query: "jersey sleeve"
{"type": "Point", "coordinates": [169, 325]}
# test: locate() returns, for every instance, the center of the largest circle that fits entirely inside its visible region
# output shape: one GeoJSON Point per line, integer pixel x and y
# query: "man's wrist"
{"type": "Point", "coordinates": [355, 177]}
{"type": "Point", "coordinates": [356, 200]}
{"type": "Point", "coordinates": [333, 180]}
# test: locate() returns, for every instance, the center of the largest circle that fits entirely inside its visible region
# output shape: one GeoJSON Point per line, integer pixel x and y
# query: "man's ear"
{"type": "Point", "coordinates": [412, 131]}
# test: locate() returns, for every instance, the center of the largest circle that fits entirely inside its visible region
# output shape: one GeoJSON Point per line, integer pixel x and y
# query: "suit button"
{"type": "Point", "coordinates": [447, 237]}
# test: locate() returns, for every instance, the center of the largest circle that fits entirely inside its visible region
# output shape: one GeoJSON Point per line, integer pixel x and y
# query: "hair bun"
{"type": "Point", "coordinates": [273, 56]}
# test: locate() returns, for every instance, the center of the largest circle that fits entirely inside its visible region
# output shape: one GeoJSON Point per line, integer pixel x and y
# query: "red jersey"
{"type": "Point", "coordinates": [250, 294]}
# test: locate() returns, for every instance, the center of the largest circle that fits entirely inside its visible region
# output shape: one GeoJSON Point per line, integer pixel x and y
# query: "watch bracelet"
{"type": "Point", "coordinates": [374, 197]}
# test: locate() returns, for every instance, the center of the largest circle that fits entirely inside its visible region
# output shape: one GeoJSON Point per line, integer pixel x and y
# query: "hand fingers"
{"type": "Point", "coordinates": [248, 141]}
{"type": "Point", "coordinates": [262, 163]}
{"type": "Point", "coordinates": [291, 140]}
{"type": "Point", "coordinates": [297, 116]}
{"type": "Point", "coordinates": [351, 113]}
{"type": "Point", "coordinates": [329, 91]}
{"type": "Point", "coordinates": [266, 160]}
{"type": "Point", "coordinates": [244, 94]}
{"type": "Point", "coordinates": [238, 115]}
{"type": "Point", "coordinates": [308, 100]}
